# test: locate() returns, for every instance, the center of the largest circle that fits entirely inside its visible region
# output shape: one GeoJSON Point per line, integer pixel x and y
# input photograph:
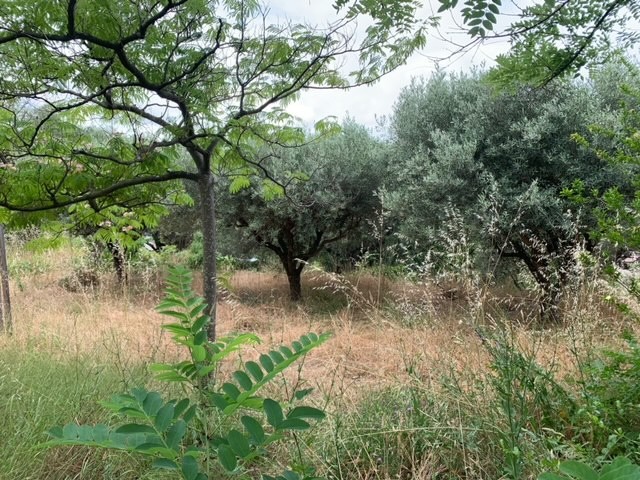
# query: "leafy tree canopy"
{"type": "Point", "coordinates": [160, 79]}
{"type": "Point", "coordinates": [330, 194]}
{"type": "Point", "coordinates": [548, 38]}
{"type": "Point", "coordinates": [502, 161]}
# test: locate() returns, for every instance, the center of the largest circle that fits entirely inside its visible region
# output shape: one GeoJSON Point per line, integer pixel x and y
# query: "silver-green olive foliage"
{"type": "Point", "coordinates": [331, 186]}
{"type": "Point", "coordinates": [502, 161]}
{"type": "Point", "coordinates": [161, 80]}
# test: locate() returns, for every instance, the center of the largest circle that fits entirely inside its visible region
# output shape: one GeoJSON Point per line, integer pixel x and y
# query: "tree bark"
{"type": "Point", "coordinates": [208, 219]}
{"type": "Point", "coordinates": [5, 299]}
{"type": "Point", "coordinates": [119, 262]}
{"type": "Point", "coordinates": [295, 285]}
{"type": "Point", "coordinates": [551, 289]}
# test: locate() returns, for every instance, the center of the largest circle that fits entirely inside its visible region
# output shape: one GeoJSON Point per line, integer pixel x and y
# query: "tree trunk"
{"type": "Point", "coordinates": [295, 284]}
{"type": "Point", "coordinates": [550, 288]}
{"type": "Point", "coordinates": [208, 219]}
{"type": "Point", "coordinates": [119, 261]}
{"type": "Point", "coordinates": [5, 299]}
{"type": "Point", "coordinates": [293, 268]}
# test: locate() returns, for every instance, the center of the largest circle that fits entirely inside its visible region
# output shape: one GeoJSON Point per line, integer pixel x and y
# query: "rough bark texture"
{"type": "Point", "coordinates": [208, 219]}
{"type": "Point", "coordinates": [550, 283]}
{"type": "Point", "coordinates": [5, 299]}
{"type": "Point", "coordinates": [294, 275]}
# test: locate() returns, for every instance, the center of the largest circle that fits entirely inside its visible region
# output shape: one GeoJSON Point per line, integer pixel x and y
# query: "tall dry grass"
{"type": "Point", "coordinates": [418, 334]}
{"type": "Point", "coordinates": [372, 343]}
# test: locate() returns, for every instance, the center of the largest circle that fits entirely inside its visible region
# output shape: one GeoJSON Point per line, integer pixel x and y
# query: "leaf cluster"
{"type": "Point", "coordinates": [173, 432]}
{"type": "Point", "coordinates": [620, 469]}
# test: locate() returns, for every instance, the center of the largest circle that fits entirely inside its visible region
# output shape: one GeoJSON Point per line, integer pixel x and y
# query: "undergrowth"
{"type": "Point", "coordinates": [514, 417]}
{"type": "Point", "coordinates": [37, 392]}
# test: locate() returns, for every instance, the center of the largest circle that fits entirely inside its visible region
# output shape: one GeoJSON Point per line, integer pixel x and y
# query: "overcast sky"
{"type": "Point", "coordinates": [368, 102]}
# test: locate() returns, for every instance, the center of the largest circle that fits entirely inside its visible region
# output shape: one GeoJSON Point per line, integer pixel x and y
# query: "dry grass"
{"type": "Point", "coordinates": [371, 347]}
{"type": "Point", "coordinates": [397, 334]}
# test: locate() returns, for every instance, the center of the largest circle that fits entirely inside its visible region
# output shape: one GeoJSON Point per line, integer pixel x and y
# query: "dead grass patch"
{"type": "Point", "coordinates": [370, 348]}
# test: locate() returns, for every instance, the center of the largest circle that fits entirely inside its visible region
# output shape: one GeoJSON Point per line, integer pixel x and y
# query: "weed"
{"type": "Point", "coordinates": [175, 434]}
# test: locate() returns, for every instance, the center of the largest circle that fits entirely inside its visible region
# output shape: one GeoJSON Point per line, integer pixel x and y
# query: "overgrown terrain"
{"type": "Point", "coordinates": [436, 381]}
{"type": "Point", "coordinates": [204, 285]}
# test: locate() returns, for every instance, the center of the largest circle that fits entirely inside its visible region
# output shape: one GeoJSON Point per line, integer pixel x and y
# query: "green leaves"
{"type": "Point", "coordinates": [255, 377]}
{"type": "Point", "coordinates": [158, 430]}
{"type": "Point", "coordinates": [190, 310]}
{"type": "Point", "coordinates": [552, 40]}
{"type": "Point", "coordinates": [165, 430]}
{"type": "Point", "coordinates": [578, 470]}
{"type": "Point", "coordinates": [275, 416]}
{"type": "Point", "coordinates": [307, 412]}
{"type": "Point", "coordinates": [620, 469]}
{"type": "Point", "coordinates": [254, 428]}
{"type": "Point", "coordinates": [239, 183]}
{"type": "Point", "coordinates": [227, 458]}
{"type": "Point", "coordinates": [237, 448]}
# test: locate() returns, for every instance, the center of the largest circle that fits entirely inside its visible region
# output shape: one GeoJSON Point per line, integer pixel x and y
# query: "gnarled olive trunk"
{"type": "Point", "coordinates": [294, 276]}
{"type": "Point", "coordinates": [549, 269]}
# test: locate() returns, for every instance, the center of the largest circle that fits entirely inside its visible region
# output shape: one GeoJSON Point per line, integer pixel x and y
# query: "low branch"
{"type": "Point", "coordinates": [103, 192]}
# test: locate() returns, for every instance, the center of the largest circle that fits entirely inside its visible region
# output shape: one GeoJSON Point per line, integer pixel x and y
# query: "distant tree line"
{"type": "Point", "coordinates": [460, 159]}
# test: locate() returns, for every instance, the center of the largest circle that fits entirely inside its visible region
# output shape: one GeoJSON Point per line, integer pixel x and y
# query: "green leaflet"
{"type": "Point", "coordinates": [165, 430]}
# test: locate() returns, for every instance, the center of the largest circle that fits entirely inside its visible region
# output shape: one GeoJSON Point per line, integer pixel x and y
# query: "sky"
{"type": "Point", "coordinates": [368, 104]}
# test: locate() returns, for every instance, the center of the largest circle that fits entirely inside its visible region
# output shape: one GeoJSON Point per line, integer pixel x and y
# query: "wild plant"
{"type": "Point", "coordinates": [609, 417]}
{"type": "Point", "coordinates": [620, 469]}
{"type": "Point", "coordinates": [176, 434]}
{"type": "Point", "coordinates": [530, 399]}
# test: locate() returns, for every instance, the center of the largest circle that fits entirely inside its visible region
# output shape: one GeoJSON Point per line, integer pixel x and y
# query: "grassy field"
{"type": "Point", "coordinates": [415, 383]}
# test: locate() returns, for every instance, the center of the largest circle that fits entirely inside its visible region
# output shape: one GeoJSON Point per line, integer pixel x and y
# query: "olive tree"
{"type": "Point", "coordinates": [502, 160]}
{"type": "Point", "coordinates": [331, 186]}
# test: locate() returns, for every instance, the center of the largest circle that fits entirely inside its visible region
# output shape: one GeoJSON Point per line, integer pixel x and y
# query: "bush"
{"type": "Point", "coordinates": [195, 258]}
{"type": "Point", "coordinates": [609, 420]}
{"type": "Point", "coordinates": [175, 434]}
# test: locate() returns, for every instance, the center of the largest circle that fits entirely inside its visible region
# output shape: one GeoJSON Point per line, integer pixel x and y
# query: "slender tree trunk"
{"type": "Point", "coordinates": [5, 299]}
{"type": "Point", "coordinates": [208, 219]}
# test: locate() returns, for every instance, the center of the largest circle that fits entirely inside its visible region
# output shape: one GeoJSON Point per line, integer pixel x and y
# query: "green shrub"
{"type": "Point", "coordinates": [609, 420]}
{"type": "Point", "coordinates": [195, 256]}
{"type": "Point", "coordinates": [175, 434]}
{"type": "Point", "coordinates": [531, 402]}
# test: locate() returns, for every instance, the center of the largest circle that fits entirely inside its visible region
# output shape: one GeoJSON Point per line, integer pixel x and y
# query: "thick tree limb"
{"type": "Point", "coordinates": [103, 192]}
